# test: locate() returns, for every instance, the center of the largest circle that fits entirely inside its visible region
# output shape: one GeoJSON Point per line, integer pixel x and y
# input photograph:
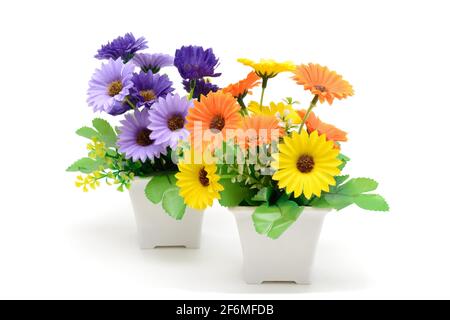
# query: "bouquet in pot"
{"type": "Point", "coordinates": [274, 157]}
{"type": "Point", "coordinates": [130, 86]}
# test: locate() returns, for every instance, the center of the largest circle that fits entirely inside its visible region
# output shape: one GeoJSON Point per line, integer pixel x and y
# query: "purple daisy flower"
{"type": "Point", "coordinates": [168, 118]}
{"type": "Point", "coordinates": [110, 85]}
{"type": "Point", "coordinates": [195, 62]}
{"type": "Point", "coordinates": [150, 87]}
{"type": "Point", "coordinates": [122, 47]}
{"type": "Point", "coordinates": [152, 61]}
{"type": "Point", "coordinates": [134, 138]}
{"type": "Point", "coordinates": [201, 87]}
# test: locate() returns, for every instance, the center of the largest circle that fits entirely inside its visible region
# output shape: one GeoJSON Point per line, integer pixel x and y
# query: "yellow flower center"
{"type": "Point", "coordinates": [175, 122]}
{"type": "Point", "coordinates": [203, 177]}
{"type": "Point", "coordinates": [305, 163]}
{"type": "Point", "coordinates": [148, 95]}
{"type": "Point", "coordinates": [217, 123]}
{"type": "Point", "coordinates": [114, 88]}
{"type": "Point", "coordinates": [143, 138]}
{"type": "Point", "coordinates": [320, 88]}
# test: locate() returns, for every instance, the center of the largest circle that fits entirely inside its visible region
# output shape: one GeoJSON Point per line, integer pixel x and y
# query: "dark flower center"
{"type": "Point", "coordinates": [114, 88]}
{"type": "Point", "coordinates": [143, 137]}
{"type": "Point", "coordinates": [305, 163]}
{"type": "Point", "coordinates": [175, 122]}
{"type": "Point", "coordinates": [320, 88]}
{"type": "Point", "coordinates": [148, 95]}
{"type": "Point", "coordinates": [218, 123]}
{"type": "Point", "coordinates": [203, 177]}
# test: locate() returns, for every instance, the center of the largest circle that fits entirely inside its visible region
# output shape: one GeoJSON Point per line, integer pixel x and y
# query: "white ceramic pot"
{"type": "Point", "coordinates": [156, 228]}
{"type": "Point", "coordinates": [288, 258]}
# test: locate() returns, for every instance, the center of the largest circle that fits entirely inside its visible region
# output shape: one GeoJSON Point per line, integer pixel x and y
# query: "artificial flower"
{"type": "Point", "coordinates": [281, 110]}
{"type": "Point", "coordinates": [168, 118]}
{"type": "Point", "coordinates": [194, 62]}
{"type": "Point", "coordinates": [217, 113]}
{"type": "Point", "coordinates": [306, 164]}
{"type": "Point", "coordinates": [332, 133]}
{"type": "Point", "coordinates": [260, 129]}
{"type": "Point", "coordinates": [122, 47]}
{"type": "Point", "coordinates": [150, 87]}
{"type": "Point", "coordinates": [202, 87]}
{"type": "Point", "coordinates": [198, 182]}
{"type": "Point", "coordinates": [152, 61]}
{"type": "Point", "coordinates": [268, 68]}
{"type": "Point", "coordinates": [322, 82]}
{"type": "Point", "coordinates": [134, 138]}
{"type": "Point", "coordinates": [240, 89]}
{"type": "Point", "coordinates": [110, 85]}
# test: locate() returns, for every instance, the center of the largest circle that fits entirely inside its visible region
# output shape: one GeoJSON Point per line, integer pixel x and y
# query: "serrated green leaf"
{"type": "Point", "coordinates": [87, 132]}
{"type": "Point", "coordinates": [341, 179]}
{"type": "Point", "coordinates": [84, 165]}
{"type": "Point", "coordinates": [173, 203]}
{"type": "Point", "coordinates": [372, 202]}
{"type": "Point", "coordinates": [263, 194]}
{"type": "Point", "coordinates": [338, 201]}
{"type": "Point", "coordinates": [357, 186]}
{"type": "Point", "coordinates": [233, 193]}
{"type": "Point", "coordinates": [320, 203]}
{"type": "Point", "coordinates": [344, 160]}
{"type": "Point", "coordinates": [157, 186]}
{"type": "Point", "coordinates": [274, 220]}
{"type": "Point", "coordinates": [106, 132]}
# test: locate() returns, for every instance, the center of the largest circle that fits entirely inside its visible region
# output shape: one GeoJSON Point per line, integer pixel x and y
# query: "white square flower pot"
{"type": "Point", "coordinates": [288, 258]}
{"type": "Point", "coordinates": [156, 228]}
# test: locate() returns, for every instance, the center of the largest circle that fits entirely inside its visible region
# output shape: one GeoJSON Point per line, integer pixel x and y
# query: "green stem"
{"type": "Point", "coordinates": [193, 85]}
{"type": "Point", "coordinates": [240, 100]}
{"type": "Point", "coordinates": [130, 103]}
{"type": "Point", "coordinates": [311, 106]}
{"type": "Point", "coordinates": [264, 86]}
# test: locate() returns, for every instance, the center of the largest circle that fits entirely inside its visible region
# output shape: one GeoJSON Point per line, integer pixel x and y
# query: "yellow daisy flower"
{"type": "Point", "coordinates": [198, 182]}
{"type": "Point", "coordinates": [268, 68]}
{"type": "Point", "coordinates": [306, 164]}
{"type": "Point", "coordinates": [283, 111]}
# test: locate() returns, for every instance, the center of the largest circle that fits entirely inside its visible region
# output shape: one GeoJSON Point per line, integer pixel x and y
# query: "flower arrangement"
{"type": "Point", "coordinates": [210, 144]}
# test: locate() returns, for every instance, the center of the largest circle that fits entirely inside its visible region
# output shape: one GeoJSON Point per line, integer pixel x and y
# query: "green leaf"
{"type": "Point", "coordinates": [341, 179]}
{"type": "Point", "coordinates": [320, 203]}
{"type": "Point", "coordinates": [263, 194]}
{"type": "Point", "coordinates": [273, 221]}
{"type": "Point", "coordinates": [357, 186]}
{"type": "Point", "coordinates": [373, 202]}
{"type": "Point", "coordinates": [157, 186]}
{"type": "Point", "coordinates": [87, 132]}
{"type": "Point", "coordinates": [233, 193]}
{"type": "Point", "coordinates": [173, 203]}
{"type": "Point", "coordinates": [84, 165]}
{"type": "Point", "coordinates": [339, 201]}
{"type": "Point", "coordinates": [344, 160]}
{"type": "Point", "coordinates": [107, 133]}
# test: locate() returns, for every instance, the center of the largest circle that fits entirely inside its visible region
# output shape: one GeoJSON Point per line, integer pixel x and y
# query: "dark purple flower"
{"type": "Point", "coordinates": [195, 62]}
{"type": "Point", "coordinates": [202, 87]}
{"type": "Point", "coordinates": [149, 87]}
{"type": "Point", "coordinates": [152, 61]}
{"type": "Point", "coordinates": [122, 47]}
{"type": "Point", "coordinates": [110, 85]}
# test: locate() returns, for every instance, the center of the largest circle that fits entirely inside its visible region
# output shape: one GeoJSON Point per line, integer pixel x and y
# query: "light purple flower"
{"type": "Point", "coordinates": [110, 85]}
{"type": "Point", "coordinates": [168, 119]}
{"type": "Point", "coordinates": [122, 47]}
{"type": "Point", "coordinates": [152, 61]}
{"type": "Point", "coordinates": [134, 138]}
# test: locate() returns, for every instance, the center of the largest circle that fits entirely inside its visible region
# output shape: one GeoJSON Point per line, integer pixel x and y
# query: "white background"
{"type": "Point", "coordinates": [57, 242]}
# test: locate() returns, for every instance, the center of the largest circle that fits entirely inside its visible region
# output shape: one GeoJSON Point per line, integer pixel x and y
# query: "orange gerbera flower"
{"type": "Point", "coordinates": [214, 115]}
{"type": "Point", "coordinates": [322, 82]}
{"type": "Point", "coordinates": [242, 88]}
{"type": "Point", "coordinates": [332, 133]}
{"type": "Point", "coordinates": [260, 129]}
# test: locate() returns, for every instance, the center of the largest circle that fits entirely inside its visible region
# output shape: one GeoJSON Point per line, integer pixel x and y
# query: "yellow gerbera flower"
{"type": "Point", "coordinates": [198, 182]}
{"type": "Point", "coordinates": [268, 68]}
{"type": "Point", "coordinates": [284, 111]}
{"type": "Point", "coordinates": [306, 164]}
